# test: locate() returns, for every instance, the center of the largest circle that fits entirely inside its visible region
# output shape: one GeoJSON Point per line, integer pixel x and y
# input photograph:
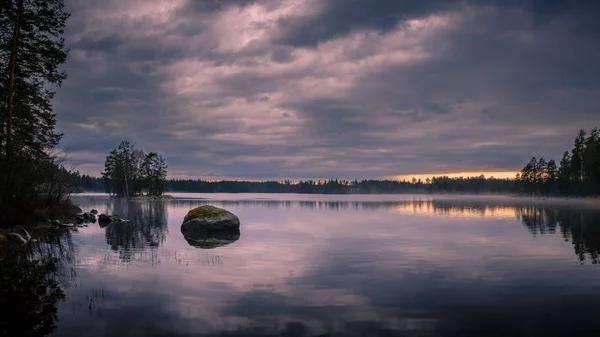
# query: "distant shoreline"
{"type": "Point", "coordinates": [538, 200]}
{"type": "Point", "coordinates": [144, 197]}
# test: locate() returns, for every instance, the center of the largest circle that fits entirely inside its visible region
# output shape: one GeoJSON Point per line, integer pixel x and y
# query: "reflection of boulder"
{"type": "Point", "coordinates": [210, 227]}
{"type": "Point", "coordinates": [213, 241]}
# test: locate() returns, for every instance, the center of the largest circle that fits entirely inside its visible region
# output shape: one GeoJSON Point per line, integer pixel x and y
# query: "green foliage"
{"type": "Point", "coordinates": [40, 50]}
{"type": "Point", "coordinates": [128, 172]}
{"type": "Point", "coordinates": [31, 52]}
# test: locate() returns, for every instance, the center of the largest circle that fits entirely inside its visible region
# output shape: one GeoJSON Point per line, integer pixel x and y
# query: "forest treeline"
{"type": "Point", "coordinates": [577, 174]}
{"type": "Point", "coordinates": [335, 186]}
{"type": "Point", "coordinates": [442, 184]}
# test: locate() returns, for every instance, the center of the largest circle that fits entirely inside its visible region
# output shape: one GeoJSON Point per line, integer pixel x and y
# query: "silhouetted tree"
{"type": "Point", "coordinates": [579, 171]}
{"type": "Point", "coordinates": [154, 174]}
{"type": "Point", "coordinates": [564, 174]}
{"type": "Point", "coordinates": [31, 52]}
{"type": "Point", "coordinates": [128, 171]}
{"type": "Point", "coordinates": [591, 163]}
{"type": "Point", "coordinates": [577, 157]}
{"type": "Point", "coordinates": [551, 177]}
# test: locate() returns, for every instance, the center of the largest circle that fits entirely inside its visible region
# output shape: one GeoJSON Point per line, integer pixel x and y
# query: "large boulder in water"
{"type": "Point", "coordinates": [210, 219]}
{"type": "Point", "coordinates": [209, 227]}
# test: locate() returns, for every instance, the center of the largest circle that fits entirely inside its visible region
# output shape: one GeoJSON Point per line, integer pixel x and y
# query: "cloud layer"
{"type": "Point", "coordinates": [304, 88]}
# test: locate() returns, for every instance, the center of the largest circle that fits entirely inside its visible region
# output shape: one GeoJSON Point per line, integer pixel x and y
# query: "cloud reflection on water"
{"type": "Point", "coordinates": [303, 268]}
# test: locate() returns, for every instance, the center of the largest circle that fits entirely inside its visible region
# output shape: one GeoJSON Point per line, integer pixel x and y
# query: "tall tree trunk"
{"type": "Point", "coordinates": [11, 85]}
{"type": "Point", "coordinates": [126, 186]}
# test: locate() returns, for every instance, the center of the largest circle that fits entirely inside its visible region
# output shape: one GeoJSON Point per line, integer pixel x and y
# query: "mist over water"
{"type": "Point", "coordinates": [339, 266]}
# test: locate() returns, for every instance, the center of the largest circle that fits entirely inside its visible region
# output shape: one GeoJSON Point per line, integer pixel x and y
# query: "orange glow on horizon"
{"type": "Point", "coordinates": [407, 177]}
{"type": "Point", "coordinates": [428, 208]}
{"type": "Point", "coordinates": [423, 177]}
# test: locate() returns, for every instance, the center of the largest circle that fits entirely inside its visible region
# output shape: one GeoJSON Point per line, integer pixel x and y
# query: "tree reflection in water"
{"type": "Point", "coordinates": [580, 226]}
{"type": "Point", "coordinates": [32, 283]}
{"type": "Point", "coordinates": [32, 280]}
{"type": "Point", "coordinates": [147, 226]}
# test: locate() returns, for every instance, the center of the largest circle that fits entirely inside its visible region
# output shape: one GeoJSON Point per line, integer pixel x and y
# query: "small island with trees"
{"type": "Point", "coordinates": [129, 172]}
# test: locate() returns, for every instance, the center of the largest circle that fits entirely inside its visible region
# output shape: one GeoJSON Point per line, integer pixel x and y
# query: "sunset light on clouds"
{"type": "Point", "coordinates": [264, 89]}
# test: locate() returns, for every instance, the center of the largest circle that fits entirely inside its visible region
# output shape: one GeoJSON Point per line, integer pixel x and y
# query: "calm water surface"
{"type": "Point", "coordinates": [310, 265]}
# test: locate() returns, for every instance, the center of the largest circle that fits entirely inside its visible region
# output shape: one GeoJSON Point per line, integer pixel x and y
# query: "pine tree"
{"type": "Point", "coordinates": [579, 171]}
{"type": "Point", "coordinates": [577, 168]}
{"type": "Point", "coordinates": [591, 162]}
{"type": "Point", "coordinates": [564, 174]}
{"type": "Point", "coordinates": [152, 173]}
{"type": "Point", "coordinates": [160, 182]}
{"type": "Point", "coordinates": [111, 174]}
{"type": "Point", "coordinates": [541, 174]}
{"type": "Point", "coordinates": [31, 51]}
{"type": "Point", "coordinates": [551, 177]}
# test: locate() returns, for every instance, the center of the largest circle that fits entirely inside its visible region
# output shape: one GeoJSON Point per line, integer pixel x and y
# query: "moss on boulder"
{"type": "Point", "coordinates": [207, 212]}
{"type": "Point", "coordinates": [210, 225]}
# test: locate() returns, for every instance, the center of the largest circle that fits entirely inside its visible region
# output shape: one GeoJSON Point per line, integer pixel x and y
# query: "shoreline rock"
{"type": "Point", "coordinates": [105, 220]}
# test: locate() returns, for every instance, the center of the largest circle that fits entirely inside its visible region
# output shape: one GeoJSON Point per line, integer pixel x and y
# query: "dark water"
{"type": "Point", "coordinates": [318, 266]}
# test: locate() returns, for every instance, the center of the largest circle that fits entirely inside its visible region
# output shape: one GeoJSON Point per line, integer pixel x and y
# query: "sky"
{"type": "Point", "coordinates": [277, 89]}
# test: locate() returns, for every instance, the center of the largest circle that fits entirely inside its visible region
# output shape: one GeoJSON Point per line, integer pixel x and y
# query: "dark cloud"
{"type": "Point", "coordinates": [293, 89]}
{"type": "Point", "coordinates": [282, 55]}
{"type": "Point", "coordinates": [203, 6]}
{"type": "Point", "coordinates": [340, 17]}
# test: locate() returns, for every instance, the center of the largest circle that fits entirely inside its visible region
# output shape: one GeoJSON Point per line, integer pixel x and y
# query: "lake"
{"type": "Point", "coordinates": [316, 265]}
